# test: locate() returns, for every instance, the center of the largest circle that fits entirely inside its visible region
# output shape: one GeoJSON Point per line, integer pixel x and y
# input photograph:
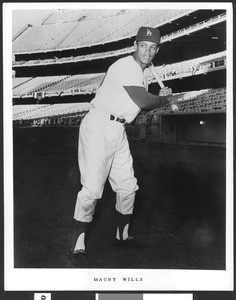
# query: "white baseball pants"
{"type": "Point", "coordinates": [103, 152]}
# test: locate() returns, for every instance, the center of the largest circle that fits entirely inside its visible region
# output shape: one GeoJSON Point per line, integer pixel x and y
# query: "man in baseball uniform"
{"type": "Point", "coordinates": [103, 150]}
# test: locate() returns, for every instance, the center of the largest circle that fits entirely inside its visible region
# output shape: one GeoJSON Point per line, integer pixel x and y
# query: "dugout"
{"type": "Point", "coordinates": [208, 129]}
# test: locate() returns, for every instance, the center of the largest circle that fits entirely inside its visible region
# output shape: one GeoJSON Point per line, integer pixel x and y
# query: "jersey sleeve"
{"type": "Point", "coordinates": [144, 99]}
{"type": "Point", "coordinates": [129, 77]}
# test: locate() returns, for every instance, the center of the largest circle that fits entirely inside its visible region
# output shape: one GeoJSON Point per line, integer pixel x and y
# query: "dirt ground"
{"type": "Point", "coordinates": [179, 210]}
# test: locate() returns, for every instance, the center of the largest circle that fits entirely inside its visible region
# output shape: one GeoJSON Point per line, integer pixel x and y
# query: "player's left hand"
{"type": "Point", "coordinates": [174, 104]}
{"type": "Point", "coordinates": [165, 91]}
{"type": "Point", "coordinates": [174, 107]}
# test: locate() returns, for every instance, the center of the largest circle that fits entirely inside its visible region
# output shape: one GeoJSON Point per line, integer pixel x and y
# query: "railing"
{"type": "Point", "coordinates": [193, 28]}
{"type": "Point", "coordinates": [21, 31]}
{"type": "Point", "coordinates": [82, 84]}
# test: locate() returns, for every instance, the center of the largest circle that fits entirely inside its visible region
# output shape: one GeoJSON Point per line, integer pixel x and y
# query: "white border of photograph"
{"type": "Point", "coordinates": [167, 297]}
{"type": "Point", "coordinates": [84, 279]}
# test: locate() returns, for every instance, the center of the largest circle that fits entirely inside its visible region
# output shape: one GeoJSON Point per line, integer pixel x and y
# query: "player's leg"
{"type": "Point", "coordinates": [124, 183]}
{"type": "Point", "coordinates": [95, 156]}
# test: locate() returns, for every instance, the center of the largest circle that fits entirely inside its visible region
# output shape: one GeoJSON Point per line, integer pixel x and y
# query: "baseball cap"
{"type": "Point", "coordinates": [148, 34]}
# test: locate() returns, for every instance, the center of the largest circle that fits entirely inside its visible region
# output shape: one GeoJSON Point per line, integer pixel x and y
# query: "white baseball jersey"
{"type": "Point", "coordinates": [103, 145]}
{"type": "Point", "coordinates": [112, 96]}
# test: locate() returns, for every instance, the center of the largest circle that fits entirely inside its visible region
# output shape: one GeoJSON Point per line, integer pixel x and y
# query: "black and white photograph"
{"type": "Point", "coordinates": [118, 146]}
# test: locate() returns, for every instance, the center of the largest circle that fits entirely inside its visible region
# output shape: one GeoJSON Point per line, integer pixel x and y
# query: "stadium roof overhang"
{"type": "Point", "coordinates": [213, 28]}
{"type": "Point", "coordinates": [109, 38]}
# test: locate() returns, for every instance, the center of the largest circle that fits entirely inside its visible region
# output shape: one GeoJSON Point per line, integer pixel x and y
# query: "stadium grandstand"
{"type": "Point", "coordinates": [179, 157]}
{"type": "Point", "coordinates": [59, 64]}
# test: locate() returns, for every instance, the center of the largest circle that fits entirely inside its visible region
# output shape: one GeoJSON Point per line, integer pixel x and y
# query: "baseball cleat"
{"type": "Point", "coordinates": [131, 243]}
{"type": "Point", "coordinates": [79, 259]}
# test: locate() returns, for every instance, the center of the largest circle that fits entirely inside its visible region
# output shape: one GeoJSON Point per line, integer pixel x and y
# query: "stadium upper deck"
{"type": "Point", "coordinates": [82, 84]}
{"type": "Point", "coordinates": [75, 29]}
{"type": "Point", "coordinates": [94, 56]}
{"type": "Point", "coordinates": [70, 51]}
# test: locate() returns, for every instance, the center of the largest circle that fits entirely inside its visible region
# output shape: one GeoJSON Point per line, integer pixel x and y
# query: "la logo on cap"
{"type": "Point", "coordinates": [149, 33]}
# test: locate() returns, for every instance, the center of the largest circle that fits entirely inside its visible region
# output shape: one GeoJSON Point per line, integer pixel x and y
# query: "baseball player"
{"type": "Point", "coordinates": [103, 149]}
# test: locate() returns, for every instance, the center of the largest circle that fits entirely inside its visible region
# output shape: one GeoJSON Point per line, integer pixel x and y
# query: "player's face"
{"type": "Point", "coordinates": [145, 52]}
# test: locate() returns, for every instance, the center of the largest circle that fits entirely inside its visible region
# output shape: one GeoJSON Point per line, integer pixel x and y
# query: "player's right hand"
{"type": "Point", "coordinates": [165, 91]}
